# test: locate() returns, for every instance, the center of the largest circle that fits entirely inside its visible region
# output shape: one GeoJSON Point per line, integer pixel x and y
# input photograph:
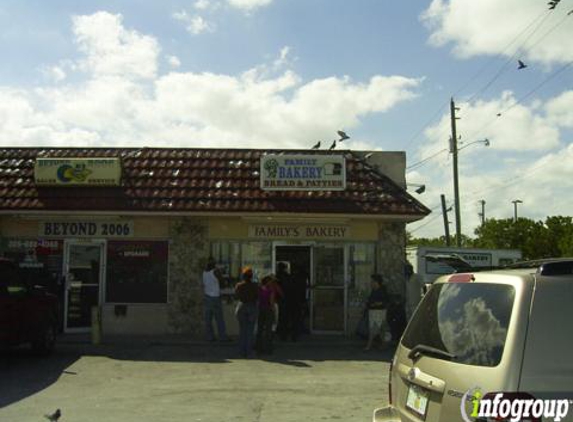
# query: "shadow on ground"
{"type": "Point", "coordinates": [22, 374]}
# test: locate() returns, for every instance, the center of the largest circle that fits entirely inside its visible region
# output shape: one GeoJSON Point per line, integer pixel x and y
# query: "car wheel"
{"type": "Point", "coordinates": [45, 341]}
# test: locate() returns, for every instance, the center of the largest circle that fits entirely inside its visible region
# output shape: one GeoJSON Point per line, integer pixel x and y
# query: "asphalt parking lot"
{"type": "Point", "coordinates": [155, 381]}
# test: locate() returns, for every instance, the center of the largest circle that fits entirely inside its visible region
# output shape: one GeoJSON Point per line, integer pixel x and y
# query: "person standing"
{"type": "Point", "coordinates": [266, 317]}
{"type": "Point", "coordinates": [248, 294]}
{"type": "Point", "coordinates": [212, 302]}
{"type": "Point", "coordinates": [377, 307]}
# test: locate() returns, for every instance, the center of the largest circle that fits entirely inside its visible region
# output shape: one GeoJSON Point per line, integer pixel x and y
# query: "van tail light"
{"type": "Point", "coordinates": [505, 402]}
{"type": "Point", "coordinates": [390, 382]}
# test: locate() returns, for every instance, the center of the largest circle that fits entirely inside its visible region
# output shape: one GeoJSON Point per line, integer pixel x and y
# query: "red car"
{"type": "Point", "coordinates": [28, 314]}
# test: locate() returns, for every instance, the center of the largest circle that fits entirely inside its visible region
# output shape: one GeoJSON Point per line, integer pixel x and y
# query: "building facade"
{"type": "Point", "coordinates": [129, 230]}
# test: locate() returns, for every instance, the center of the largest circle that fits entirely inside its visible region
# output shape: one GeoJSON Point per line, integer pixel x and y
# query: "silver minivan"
{"type": "Point", "coordinates": [488, 346]}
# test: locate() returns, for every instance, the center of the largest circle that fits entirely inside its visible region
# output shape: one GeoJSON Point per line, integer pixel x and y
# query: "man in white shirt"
{"type": "Point", "coordinates": [212, 302]}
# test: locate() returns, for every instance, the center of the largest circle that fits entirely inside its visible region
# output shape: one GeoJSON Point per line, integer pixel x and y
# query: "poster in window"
{"type": "Point", "coordinates": [137, 272]}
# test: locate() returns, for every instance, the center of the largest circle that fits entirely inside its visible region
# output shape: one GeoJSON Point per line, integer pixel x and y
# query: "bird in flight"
{"type": "Point", "coordinates": [332, 146]}
{"type": "Point", "coordinates": [316, 146]}
{"type": "Point", "coordinates": [342, 135]}
{"type": "Point", "coordinates": [553, 4]}
{"type": "Point", "coordinates": [54, 416]}
{"type": "Point", "coordinates": [521, 65]}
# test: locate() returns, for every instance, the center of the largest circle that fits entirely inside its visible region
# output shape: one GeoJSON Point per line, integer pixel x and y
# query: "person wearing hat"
{"type": "Point", "coordinates": [377, 307]}
{"type": "Point", "coordinates": [248, 294]}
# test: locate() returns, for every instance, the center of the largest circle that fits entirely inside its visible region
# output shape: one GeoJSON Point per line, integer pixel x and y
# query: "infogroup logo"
{"type": "Point", "coordinates": [514, 407]}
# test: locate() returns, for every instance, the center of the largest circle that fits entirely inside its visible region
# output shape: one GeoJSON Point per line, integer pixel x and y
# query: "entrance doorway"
{"type": "Point", "coordinates": [83, 263]}
{"type": "Point", "coordinates": [323, 270]}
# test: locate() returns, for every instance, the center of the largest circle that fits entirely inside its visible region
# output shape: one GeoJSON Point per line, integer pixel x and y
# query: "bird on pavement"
{"type": "Point", "coordinates": [553, 4]}
{"type": "Point", "coordinates": [332, 146]}
{"type": "Point", "coordinates": [342, 135]}
{"type": "Point", "coordinates": [521, 65]}
{"type": "Point", "coordinates": [316, 146]}
{"type": "Point", "coordinates": [54, 416]}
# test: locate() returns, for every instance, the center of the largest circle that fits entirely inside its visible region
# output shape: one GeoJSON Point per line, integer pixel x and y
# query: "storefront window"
{"type": "Point", "coordinates": [362, 264]}
{"type": "Point", "coordinates": [257, 255]}
{"type": "Point", "coordinates": [227, 255]}
{"type": "Point", "coordinates": [137, 271]}
{"type": "Point", "coordinates": [40, 261]}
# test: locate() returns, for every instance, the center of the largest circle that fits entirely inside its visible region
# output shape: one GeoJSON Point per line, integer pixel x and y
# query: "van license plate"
{"type": "Point", "coordinates": [417, 400]}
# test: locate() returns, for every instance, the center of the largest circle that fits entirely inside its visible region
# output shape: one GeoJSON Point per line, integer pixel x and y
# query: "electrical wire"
{"type": "Point", "coordinates": [476, 75]}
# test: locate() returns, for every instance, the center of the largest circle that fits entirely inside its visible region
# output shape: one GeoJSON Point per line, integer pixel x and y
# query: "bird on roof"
{"type": "Point", "coordinates": [342, 135]}
{"type": "Point", "coordinates": [332, 146]}
{"type": "Point", "coordinates": [521, 65]}
{"type": "Point", "coordinates": [316, 146]}
{"type": "Point", "coordinates": [54, 416]}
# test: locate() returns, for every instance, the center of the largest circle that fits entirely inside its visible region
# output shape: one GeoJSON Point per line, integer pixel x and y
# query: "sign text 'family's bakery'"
{"type": "Point", "coordinates": [286, 231]}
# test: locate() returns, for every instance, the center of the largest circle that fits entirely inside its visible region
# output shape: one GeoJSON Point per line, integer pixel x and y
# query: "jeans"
{"type": "Point", "coordinates": [214, 309]}
{"type": "Point", "coordinates": [247, 317]}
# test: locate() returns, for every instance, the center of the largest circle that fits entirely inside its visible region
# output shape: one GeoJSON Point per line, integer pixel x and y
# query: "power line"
{"type": "Point", "coordinates": [425, 160]}
{"type": "Point", "coordinates": [473, 78]}
{"type": "Point", "coordinates": [522, 98]}
{"type": "Point", "coordinates": [513, 56]}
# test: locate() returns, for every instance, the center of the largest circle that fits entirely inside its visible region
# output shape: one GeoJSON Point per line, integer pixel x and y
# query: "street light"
{"type": "Point", "coordinates": [515, 202]}
{"type": "Point", "coordinates": [454, 150]}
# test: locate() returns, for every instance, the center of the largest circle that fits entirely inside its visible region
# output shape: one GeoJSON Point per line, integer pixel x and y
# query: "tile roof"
{"type": "Point", "coordinates": [196, 180]}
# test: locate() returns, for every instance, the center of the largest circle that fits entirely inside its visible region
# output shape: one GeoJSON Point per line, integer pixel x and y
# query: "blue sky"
{"type": "Point", "coordinates": [278, 73]}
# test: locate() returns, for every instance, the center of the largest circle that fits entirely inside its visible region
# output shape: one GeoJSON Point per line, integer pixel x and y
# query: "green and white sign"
{"type": "Point", "coordinates": [303, 172]}
{"type": "Point", "coordinates": [78, 171]}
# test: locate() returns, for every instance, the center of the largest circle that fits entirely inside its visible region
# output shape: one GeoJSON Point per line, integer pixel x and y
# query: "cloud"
{"type": "Point", "coordinates": [202, 4]}
{"type": "Point", "coordinates": [111, 49]}
{"type": "Point", "coordinates": [248, 5]}
{"type": "Point", "coordinates": [508, 125]}
{"type": "Point", "coordinates": [195, 24]}
{"type": "Point", "coordinates": [501, 27]}
{"type": "Point", "coordinates": [528, 159]}
{"type": "Point", "coordinates": [173, 61]}
{"type": "Point", "coordinates": [122, 100]}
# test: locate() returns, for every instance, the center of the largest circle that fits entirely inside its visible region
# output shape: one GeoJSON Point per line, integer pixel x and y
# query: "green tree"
{"type": "Point", "coordinates": [533, 238]}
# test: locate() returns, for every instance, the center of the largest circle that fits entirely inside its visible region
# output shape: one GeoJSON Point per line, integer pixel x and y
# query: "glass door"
{"type": "Point", "coordinates": [328, 291]}
{"type": "Point", "coordinates": [84, 275]}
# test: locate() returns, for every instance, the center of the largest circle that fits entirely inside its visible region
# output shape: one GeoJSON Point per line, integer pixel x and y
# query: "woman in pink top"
{"type": "Point", "coordinates": [267, 298]}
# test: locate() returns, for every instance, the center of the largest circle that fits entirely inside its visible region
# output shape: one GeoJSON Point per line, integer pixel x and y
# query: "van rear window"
{"type": "Point", "coordinates": [468, 320]}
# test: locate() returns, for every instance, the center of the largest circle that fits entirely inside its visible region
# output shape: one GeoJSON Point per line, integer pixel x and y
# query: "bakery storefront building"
{"type": "Point", "coordinates": [128, 230]}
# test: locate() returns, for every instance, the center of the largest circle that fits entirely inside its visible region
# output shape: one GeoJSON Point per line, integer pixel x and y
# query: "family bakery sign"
{"type": "Point", "coordinates": [303, 172]}
{"type": "Point", "coordinates": [288, 231]}
{"type": "Point", "coordinates": [78, 171]}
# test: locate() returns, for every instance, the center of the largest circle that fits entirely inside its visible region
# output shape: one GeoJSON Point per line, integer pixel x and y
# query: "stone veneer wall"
{"type": "Point", "coordinates": [189, 250]}
{"type": "Point", "coordinates": [392, 255]}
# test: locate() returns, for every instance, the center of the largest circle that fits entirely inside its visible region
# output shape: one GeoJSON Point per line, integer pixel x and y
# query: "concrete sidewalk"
{"type": "Point", "coordinates": [172, 379]}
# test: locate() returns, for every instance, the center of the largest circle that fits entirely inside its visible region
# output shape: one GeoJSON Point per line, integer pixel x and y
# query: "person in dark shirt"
{"type": "Point", "coordinates": [292, 303]}
{"type": "Point", "coordinates": [377, 307]}
{"type": "Point", "coordinates": [248, 294]}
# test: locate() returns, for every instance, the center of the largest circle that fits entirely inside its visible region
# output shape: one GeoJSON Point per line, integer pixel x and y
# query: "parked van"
{"type": "Point", "coordinates": [485, 346]}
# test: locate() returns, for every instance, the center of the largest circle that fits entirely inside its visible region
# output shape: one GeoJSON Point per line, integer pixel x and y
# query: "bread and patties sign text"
{"type": "Point", "coordinates": [303, 172]}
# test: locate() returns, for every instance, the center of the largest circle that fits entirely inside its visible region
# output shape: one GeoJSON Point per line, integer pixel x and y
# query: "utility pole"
{"type": "Point", "coordinates": [454, 151]}
{"type": "Point", "coordinates": [446, 222]}
{"type": "Point", "coordinates": [482, 213]}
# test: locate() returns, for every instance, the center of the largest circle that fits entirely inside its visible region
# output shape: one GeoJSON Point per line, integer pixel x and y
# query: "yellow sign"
{"type": "Point", "coordinates": [287, 231]}
{"type": "Point", "coordinates": [78, 171]}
